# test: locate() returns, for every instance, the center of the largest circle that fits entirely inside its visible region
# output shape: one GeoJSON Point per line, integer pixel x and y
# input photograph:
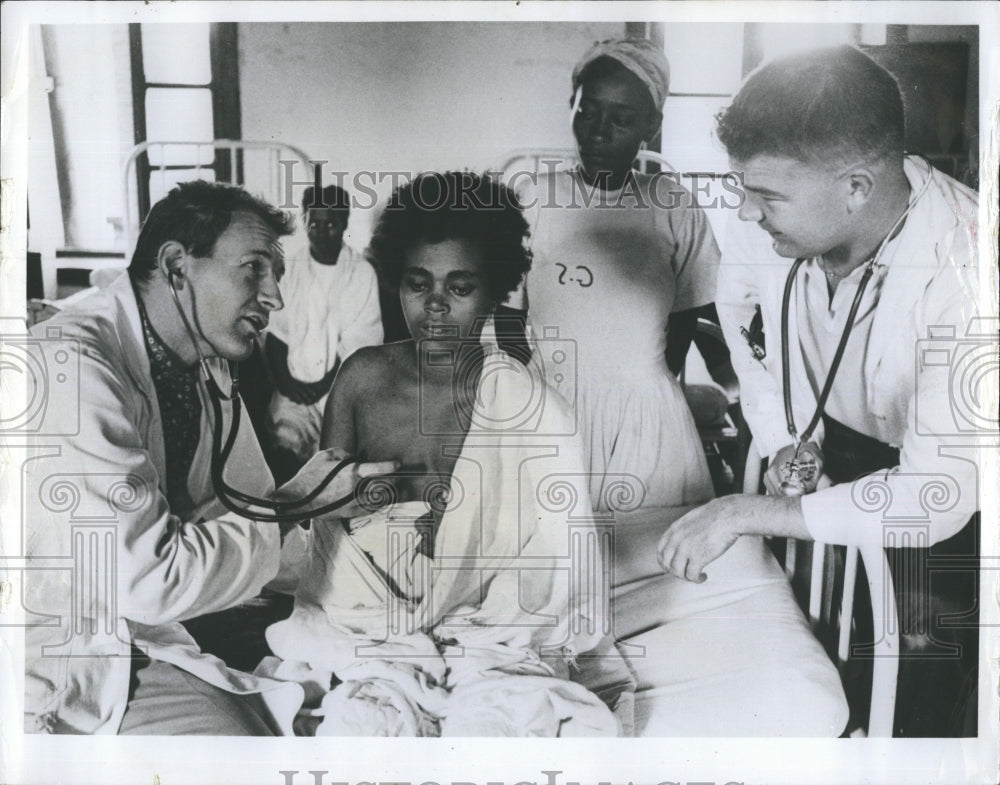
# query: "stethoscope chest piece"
{"type": "Point", "coordinates": [798, 474]}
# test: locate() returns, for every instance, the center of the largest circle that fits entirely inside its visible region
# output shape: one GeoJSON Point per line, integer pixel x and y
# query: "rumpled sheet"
{"type": "Point", "coordinates": [733, 656]}
{"type": "Point", "coordinates": [483, 638]}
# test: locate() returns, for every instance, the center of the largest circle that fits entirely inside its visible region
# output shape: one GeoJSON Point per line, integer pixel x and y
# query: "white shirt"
{"type": "Point", "coordinates": [330, 311]}
{"type": "Point", "coordinates": [822, 323]}
{"type": "Point", "coordinates": [894, 381]}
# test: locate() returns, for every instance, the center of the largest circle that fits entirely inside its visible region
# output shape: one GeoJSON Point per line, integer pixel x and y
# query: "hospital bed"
{"type": "Point", "coordinates": [744, 653]}
{"type": "Point", "coordinates": [830, 572]}
{"type": "Point", "coordinates": [255, 165]}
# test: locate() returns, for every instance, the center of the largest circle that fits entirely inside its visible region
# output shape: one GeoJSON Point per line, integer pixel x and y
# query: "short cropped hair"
{"type": "Point", "coordinates": [436, 207]}
{"type": "Point", "coordinates": [821, 106]}
{"type": "Point", "coordinates": [333, 198]}
{"type": "Point", "coordinates": [195, 214]}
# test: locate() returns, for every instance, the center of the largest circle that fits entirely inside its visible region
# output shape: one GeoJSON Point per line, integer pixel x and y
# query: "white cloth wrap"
{"type": "Point", "coordinates": [507, 606]}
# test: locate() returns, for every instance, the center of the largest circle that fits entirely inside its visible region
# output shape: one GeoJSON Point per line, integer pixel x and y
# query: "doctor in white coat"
{"type": "Point", "coordinates": [134, 460]}
{"type": "Point", "coordinates": [885, 248]}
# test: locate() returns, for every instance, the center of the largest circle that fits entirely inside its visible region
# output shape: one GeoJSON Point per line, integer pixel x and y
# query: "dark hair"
{"type": "Point", "coordinates": [453, 206]}
{"type": "Point", "coordinates": [333, 198]}
{"type": "Point", "coordinates": [823, 105]}
{"type": "Point", "coordinates": [195, 214]}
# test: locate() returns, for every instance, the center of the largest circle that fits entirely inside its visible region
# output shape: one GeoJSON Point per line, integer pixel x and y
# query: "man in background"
{"type": "Point", "coordinates": [331, 310]}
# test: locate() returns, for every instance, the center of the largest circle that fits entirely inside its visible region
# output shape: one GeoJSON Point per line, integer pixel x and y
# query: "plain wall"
{"type": "Point", "coordinates": [374, 97]}
{"type": "Point", "coordinates": [369, 98]}
{"type": "Point", "coordinates": [91, 115]}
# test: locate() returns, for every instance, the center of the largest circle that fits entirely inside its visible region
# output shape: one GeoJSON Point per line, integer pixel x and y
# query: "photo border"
{"type": "Point", "coordinates": [170, 761]}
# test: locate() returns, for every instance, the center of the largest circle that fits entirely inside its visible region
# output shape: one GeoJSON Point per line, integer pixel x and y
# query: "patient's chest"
{"type": "Point", "coordinates": [425, 436]}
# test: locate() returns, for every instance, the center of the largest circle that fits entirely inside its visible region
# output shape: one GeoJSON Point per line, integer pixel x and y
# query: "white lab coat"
{"type": "Point", "coordinates": [107, 477]}
{"type": "Point", "coordinates": [931, 283]}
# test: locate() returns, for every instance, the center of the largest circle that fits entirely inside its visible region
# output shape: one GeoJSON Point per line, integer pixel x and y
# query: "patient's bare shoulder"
{"type": "Point", "coordinates": [370, 368]}
{"type": "Point", "coordinates": [360, 394]}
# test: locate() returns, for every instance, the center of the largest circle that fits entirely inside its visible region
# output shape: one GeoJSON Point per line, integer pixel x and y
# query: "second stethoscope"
{"type": "Point", "coordinates": [801, 470]}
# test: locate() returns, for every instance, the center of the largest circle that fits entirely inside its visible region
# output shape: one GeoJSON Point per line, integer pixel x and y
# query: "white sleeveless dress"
{"type": "Point", "coordinates": [604, 279]}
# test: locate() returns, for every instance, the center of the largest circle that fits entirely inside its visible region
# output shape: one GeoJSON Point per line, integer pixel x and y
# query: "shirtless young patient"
{"type": "Point", "coordinates": [453, 246]}
{"type": "Point", "coordinates": [422, 610]}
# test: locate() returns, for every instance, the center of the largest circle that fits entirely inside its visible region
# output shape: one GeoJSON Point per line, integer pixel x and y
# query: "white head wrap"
{"type": "Point", "coordinates": [640, 56]}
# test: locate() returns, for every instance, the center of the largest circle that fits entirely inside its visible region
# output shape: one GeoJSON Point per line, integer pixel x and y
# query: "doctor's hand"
{"type": "Point", "coordinates": [344, 484]}
{"type": "Point", "coordinates": [773, 478]}
{"type": "Point", "coordinates": [699, 538]}
{"type": "Point", "coordinates": [704, 534]}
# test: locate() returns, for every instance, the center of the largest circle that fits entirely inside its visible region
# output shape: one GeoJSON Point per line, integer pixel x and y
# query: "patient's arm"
{"type": "Point", "coordinates": [338, 417]}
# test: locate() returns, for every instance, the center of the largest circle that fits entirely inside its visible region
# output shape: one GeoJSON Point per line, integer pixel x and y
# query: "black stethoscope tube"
{"type": "Point", "coordinates": [238, 501]}
{"type": "Point", "coordinates": [786, 382]}
{"type": "Point", "coordinates": [838, 356]}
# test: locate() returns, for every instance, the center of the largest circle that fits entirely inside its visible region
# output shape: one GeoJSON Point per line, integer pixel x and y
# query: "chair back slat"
{"type": "Point", "coordinates": [830, 607]}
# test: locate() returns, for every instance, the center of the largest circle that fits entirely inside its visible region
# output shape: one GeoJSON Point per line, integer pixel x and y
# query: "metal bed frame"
{"type": "Point", "coordinates": [254, 165]}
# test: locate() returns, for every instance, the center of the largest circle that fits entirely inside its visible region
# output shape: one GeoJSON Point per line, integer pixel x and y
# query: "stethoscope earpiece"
{"type": "Point", "coordinates": [241, 503]}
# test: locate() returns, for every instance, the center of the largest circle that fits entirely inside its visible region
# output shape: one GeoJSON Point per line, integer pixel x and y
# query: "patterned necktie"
{"type": "Point", "coordinates": [180, 413]}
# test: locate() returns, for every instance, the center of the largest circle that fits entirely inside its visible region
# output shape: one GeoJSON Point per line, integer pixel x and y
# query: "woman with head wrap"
{"type": "Point", "coordinates": [616, 253]}
{"type": "Point", "coordinates": [630, 78]}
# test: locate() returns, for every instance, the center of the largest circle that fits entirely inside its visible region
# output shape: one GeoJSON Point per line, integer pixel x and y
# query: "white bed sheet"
{"type": "Point", "coordinates": [733, 656]}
